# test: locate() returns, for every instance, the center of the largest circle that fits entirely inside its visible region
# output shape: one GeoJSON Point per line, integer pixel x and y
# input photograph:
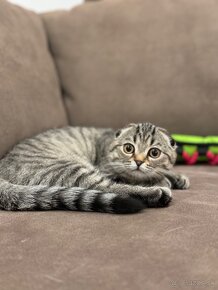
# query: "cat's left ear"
{"type": "Point", "coordinates": [173, 142]}
{"type": "Point", "coordinates": [167, 134]}
{"type": "Point", "coordinates": [162, 130]}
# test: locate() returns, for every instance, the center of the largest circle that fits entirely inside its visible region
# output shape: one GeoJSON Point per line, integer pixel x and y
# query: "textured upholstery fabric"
{"type": "Point", "coordinates": [30, 99]}
{"type": "Point", "coordinates": [118, 61]}
{"type": "Point", "coordinates": [169, 248]}
{"type": "Point", "coordinates": [121, 61]}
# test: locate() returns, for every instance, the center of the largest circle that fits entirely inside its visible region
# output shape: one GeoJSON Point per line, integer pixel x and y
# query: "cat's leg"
{"type": "Point", "coordinates": [178, 181]}
{"type": "Point", "coordinates": [154, 196]}
{"type": "Point", "coordinates": [91, 178]}
{"type": "Point", "coordinates": [87, 176]}
{"type": "Point", "coordinates": [165, 182]}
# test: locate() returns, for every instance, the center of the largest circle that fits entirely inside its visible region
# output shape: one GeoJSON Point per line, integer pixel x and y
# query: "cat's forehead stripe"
{"type": "Point", "coordinates": [143, 133]}
{"type": "Point", "coordinates": [147, 139]}
{"type": "Point", "coordinates": [153, 131]}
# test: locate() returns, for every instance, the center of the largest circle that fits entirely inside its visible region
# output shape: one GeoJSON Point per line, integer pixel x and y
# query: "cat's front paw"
{"type": "Point", "coordinates": [181, 182]}
{"type": "Point", "coordinates": [160, 197]}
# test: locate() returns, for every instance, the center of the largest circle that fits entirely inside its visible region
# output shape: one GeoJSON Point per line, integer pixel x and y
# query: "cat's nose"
{"type": "Point", "coordinates": [138, 162]}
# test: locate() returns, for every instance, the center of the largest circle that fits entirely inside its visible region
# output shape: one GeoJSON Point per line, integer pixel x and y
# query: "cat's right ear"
{"type": "Point", "coordinates": [123, 130]}
{"type": "Point", "coordinates": [118, 133]}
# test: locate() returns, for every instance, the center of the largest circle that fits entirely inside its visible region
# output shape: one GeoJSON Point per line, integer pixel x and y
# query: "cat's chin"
{"type": "Point", "coordinates": [137, 173]}
{"type": "Point", "coordinates": [142, 176]}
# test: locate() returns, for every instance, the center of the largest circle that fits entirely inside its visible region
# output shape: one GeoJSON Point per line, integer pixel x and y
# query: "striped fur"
{"type": "Point", "coordinates": [21, 197]}
{"type": "Point", "coordinates": [85, 169]}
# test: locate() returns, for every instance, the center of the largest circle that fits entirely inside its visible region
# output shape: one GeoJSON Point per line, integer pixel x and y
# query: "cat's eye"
{"type": "Point", "coordinates": [128, 148]}
{"type": "Point", "coordinates": [154, 153]}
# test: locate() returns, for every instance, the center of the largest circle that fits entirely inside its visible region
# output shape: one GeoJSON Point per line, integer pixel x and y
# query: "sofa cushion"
{"type": "Point", "coordinates": [163, 248]}
{"type": "Point", "coordinates": [123, 61]}
{"type": "Point", "coordinates": [30, 99]}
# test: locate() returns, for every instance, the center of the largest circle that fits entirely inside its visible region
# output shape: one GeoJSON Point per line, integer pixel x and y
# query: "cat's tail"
{"type": "Point", "coordinates": [20, 197]}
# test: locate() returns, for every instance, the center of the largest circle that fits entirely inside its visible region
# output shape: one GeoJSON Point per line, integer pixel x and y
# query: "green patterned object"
{"type": "Point", "coordinates": [194, 149]}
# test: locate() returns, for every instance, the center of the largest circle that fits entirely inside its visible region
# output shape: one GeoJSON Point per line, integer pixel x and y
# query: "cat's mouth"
{"type": "Point", "coordinates": [138, 171]}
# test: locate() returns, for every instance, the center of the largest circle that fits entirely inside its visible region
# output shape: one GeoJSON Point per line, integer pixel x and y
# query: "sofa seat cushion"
{"type": "Point", "coordinates": [30, 99]}
{"type": "Point", "coordinates": [128, 61]}
{"type": "Point", "coordinates": [162, 248]}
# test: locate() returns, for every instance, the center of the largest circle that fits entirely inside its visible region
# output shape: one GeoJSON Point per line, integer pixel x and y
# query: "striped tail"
{"type": "Point", "coordinates": [20, 197]}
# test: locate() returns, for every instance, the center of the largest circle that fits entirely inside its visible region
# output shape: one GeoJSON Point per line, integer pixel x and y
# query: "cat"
{"type": "Point", "coordinates": [89, 169]}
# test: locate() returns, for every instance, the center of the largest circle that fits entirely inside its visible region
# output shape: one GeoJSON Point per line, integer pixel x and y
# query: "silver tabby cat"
{"type": "Point", "coordinates": [89, 169]}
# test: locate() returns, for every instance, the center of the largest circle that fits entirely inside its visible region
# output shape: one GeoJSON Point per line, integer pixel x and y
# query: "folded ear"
{"type": "Point", "coordinates": [173, 142]}
{"type": "Point", "coordinates": [166, 133]}
{"type": "Point", "coordinates": [120, 131]}
{"type": "Point", "coordinates": [162, 130]}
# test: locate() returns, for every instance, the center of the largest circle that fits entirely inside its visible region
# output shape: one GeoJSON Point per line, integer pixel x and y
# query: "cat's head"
{"type": "Point", "coordinates": [140, 151]}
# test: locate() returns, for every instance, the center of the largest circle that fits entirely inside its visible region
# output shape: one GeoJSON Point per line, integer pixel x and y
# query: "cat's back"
{"type": "Point", "coordinates": [58, 141]}
{"type": "Point", "coordinates": [66, 144]}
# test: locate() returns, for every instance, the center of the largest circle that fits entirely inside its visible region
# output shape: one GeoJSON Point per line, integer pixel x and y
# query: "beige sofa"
{"type": "Point", "coordinates": [107, 63]}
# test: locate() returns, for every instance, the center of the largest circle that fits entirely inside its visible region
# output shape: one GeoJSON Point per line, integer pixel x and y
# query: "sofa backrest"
{"type": "Point", "coordinates": [124, 61]}
{"type": "Point", "coordinates": [30, 99]}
